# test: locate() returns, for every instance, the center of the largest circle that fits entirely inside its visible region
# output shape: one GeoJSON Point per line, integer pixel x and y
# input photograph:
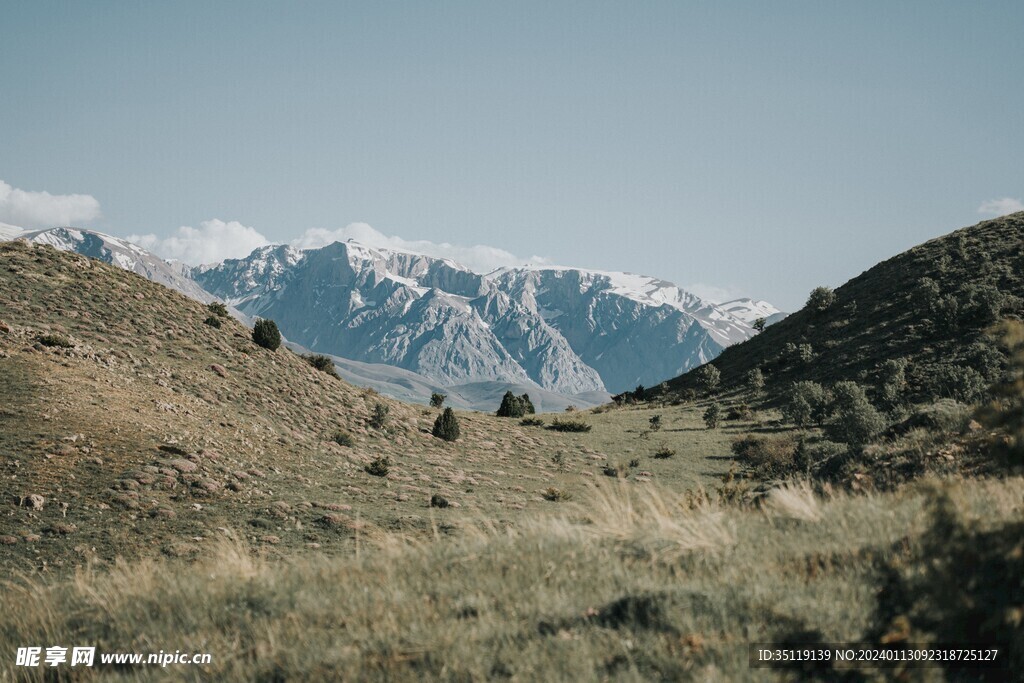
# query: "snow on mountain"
{"type": "Point", "coordinates": [9, 232]}
{"type": "Point", "coordinates": [567, 330]}
{"type": "Point", "coordinates": [749, 310]}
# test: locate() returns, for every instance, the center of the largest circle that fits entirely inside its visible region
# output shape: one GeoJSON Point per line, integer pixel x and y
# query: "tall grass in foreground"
{"type": "Point", "coordinates": [627, 583]}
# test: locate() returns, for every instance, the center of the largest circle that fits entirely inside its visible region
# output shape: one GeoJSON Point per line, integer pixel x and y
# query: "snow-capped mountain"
{"type": "Point", "coordinates": [567, 330]}
{"type": "Point", "coordinates": [749, 310]}
{"type": "Point", "coordinates": [122, 254]}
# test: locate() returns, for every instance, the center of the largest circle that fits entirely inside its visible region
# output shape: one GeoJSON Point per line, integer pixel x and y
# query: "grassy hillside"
{"type": "Point", "coordinates": [930, 305]}
{"type": "Point", "coordinates": [151, 433]}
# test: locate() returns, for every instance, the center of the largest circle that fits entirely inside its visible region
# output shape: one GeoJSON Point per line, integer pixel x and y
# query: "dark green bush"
{"type": "Point", "coordinates": [767, 457]}
{"type": "Point", "coordinates": [532, 422]}
{"type": "Point", "coordinates": [379, 467]}
{"type": "Point", "coordinates": [820, 299]}
{"type": "Point", "coordinates": [560, 425]}
{"type": "Point", "coordinates": [712, 416]}
{"type": "Point", "coordinates": [322, 363]}
{"type": "Point", "coordinates": [342, 438]}
{"type": "Point", "coordinates": [663, 453]}
{"type": "Point", "coordinates": [213, 321]}
{"type": "Point", "coordinates": [218, 309]}
{"type": "Point", "coordinates": [515, 406]}
{"type": "Point", "coordinates": [856, 422]}
{"type": "Point", "coordinates": [266, 334]}
{"type": "Point", "coordinates": [446, 426]}
{"type": "Point", "coordinates": [437, 400]}
{"type": "Point", "coordinates": [55, 341]}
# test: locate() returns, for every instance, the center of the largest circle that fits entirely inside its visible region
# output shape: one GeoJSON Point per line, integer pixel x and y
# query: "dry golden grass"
{"type": "Point", "coordinates": [623, 584]}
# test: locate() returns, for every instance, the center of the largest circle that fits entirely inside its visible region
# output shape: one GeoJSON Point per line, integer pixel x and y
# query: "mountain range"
{"type": "Point", "coordinates": [408, 324]}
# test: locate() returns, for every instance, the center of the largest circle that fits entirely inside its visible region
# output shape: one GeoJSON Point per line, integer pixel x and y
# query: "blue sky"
{"type": "Point", "coordinates": [760, 148]}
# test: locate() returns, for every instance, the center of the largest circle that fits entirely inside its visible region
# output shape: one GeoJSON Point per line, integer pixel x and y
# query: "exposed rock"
{"type": "Point", "coordinates": [219, 369]}
{"type": "Point", "coordinates": [34, 501]}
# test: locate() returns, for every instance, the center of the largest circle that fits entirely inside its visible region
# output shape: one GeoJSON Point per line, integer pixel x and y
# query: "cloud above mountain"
{"type": "Point", "coordinates": [479, 258]}
{"type": "Point", "coordinates": [36, 209]}
{"type": "Point", "coordinates": [213, 241]}
{"type": "Point", "coordinates": [1001, 207]}
{"type": "Point", "coordinates": [216, 240]}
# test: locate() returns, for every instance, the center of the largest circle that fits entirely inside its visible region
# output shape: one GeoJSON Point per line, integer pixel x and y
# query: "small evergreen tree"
{"type": "Point", "coordinates": [511, 406]}
{"type": "Point", "coordinates": [322, 363]}
{"type": "Point", "coordinates": [760, 324]}
{"type": "Point", "coordinates": [218, 309]}
{"type": "Point", "coordinates": [708, 376]}
{"type": "Point", "coordinates": [655, 423]}
{"type": "Point", "coordinates": [437, 400]}
{"type": "Point", "coordinates": [446, 426]}
{"type": "Point", "coordinates": [380, 416]}
{"type": "Point", "coordinates": [528, 408]}
{"type": "Point", "coordinates": [821, 299]}
{"type": "Point", "coordinates": [266, 334]}
{"type": "Point", "coordinates": [712, 416]}
{"type": "Point", "coordinates": [892, 382]}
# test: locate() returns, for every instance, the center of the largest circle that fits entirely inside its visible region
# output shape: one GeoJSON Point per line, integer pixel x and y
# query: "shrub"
{"type": "Point", "coordinates": [712, 416]}
{"type": "Point", "coordinates": [655, 423]}
{"type": "Point", "coordinates": [446, 426]}
{"type": "Point", "coordinates": [708, 376]}
{"type": "Point", "coordinates": [379, 467]}
{"type": "Point", "coordinates": [767, 457]}
{"type": "Point", "coordinates": [322, 363]}
{"type": "Point", "coordinates": [556, 495]}
{"type": "Point", "coordinates": [820, 299]}
{"type": "Point", "coordinates": [55, 341]}
{"type": "Point", "coordinates": [437, 400]}
{"type": "Point", "coordinates": [739, 412]}
{"type": "Point", "coordinates": [569, 425]}
{"type": "Point", "coordinates": [856, 421]}
{"type": "Point", "coordinates": [218, 309]}
{"type": "Point", "coordinates": [531, 422]}
{"type": "Point", "coordinates": [438, 501]}
{"type": "Point", "coordinates": [342, 439]}
{"type": "Point", "coordinates": [616, 470]}
{"type": "Point", "coordinates": [664, 453]}
{"type": "Point", "coordinates": [213, 321]}
{"type": "Point", "coordinates": [961, 383]}
{"type": "Point", "coordinates": [266, 334]}
{"type": "Point", "coordinates": [760, 324]}
{"type": "Point", "coordinates": [379, 417]}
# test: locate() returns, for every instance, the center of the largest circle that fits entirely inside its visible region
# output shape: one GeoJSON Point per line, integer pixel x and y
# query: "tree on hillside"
{"type": "Point", "coordinates": [266, 334]}
{"type": "Point", "coordinates": [760, 324]}
{"type": "Point", "coordinates": [437, 400]}
{"type": "Point", "coordinates": [821, 299]}
{"type": "Point", "coordinates": [446, 426]}
{"type": "Point", "coordinates": [806, 403]}
{"type": "Point", "coordinates": [755, 381]}
{"type": "Point", "coordinates": [515, 406]}
{"type": "Point", "coordinates": [712, 416]}
{"type": "Point", "coordinates": [892, 382]}
{"type": "Point", "coordinates": [856, 421]}
{"type": "Point", "coordinates": [708, 376]}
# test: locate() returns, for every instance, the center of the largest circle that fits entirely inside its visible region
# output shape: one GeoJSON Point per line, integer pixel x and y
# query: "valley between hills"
{"type": "Point", "coordinates": [850, 473]}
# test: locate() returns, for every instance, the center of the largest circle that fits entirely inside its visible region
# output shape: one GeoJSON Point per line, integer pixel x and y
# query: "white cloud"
{"type": "Point", "coordinates": [479, 258]}
{"type": "Point", "coordinates": [1001, 207]}
{"type": "Point", "coordinates": [714, 294]}
{"type": "Point", "coordinates": [44, 210]}
{"type": "Point", "coordinates": [214, 240]}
